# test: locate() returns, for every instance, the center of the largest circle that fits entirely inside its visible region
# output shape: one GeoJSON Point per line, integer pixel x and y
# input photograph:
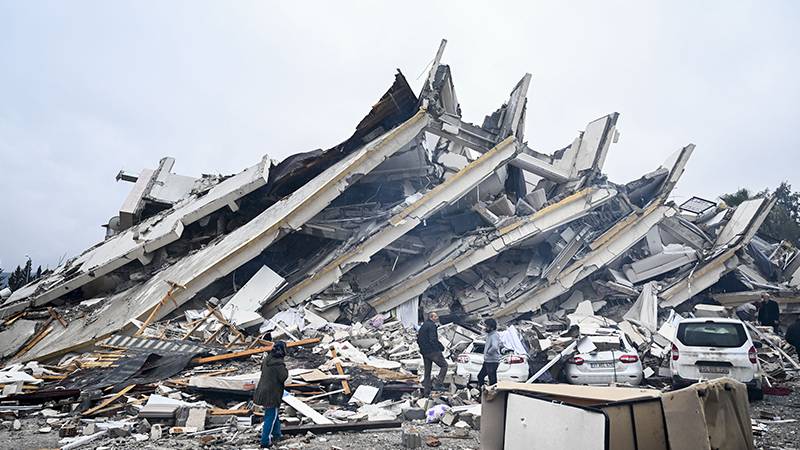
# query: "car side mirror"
{"type": "Point", "coordinates": [757, 344]}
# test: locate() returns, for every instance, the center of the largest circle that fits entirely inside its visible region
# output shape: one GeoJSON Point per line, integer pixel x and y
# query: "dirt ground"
{"type": "Point", "coordinates": [776, 436]}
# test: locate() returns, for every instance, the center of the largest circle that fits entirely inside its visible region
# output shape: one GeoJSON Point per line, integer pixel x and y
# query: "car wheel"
{"type": "Point", "coordinates": [755, 394]}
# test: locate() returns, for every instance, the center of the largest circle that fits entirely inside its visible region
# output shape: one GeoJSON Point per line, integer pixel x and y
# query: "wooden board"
{"type": "Point", "coordinates": [306, 410]}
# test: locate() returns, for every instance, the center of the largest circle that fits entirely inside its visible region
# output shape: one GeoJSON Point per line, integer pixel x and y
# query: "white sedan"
{"type": "Point", "coordinates": [513, 367]}
{"type": "Point", "coordinates": [614, 360]}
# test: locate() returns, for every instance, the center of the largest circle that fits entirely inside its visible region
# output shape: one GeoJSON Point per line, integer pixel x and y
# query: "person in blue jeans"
{"type": "Point", "coordinates": [269, 392]}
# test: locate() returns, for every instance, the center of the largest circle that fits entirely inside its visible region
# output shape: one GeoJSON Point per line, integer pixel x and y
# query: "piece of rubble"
{"type": "Point", "coordinates": [155, 432]}
{"type": "Point", "coordinates": [432, 441]}
{"type": "Point", "coordinates": [196, 419]}
{"type": "Point", "coordinates": [410, 439]}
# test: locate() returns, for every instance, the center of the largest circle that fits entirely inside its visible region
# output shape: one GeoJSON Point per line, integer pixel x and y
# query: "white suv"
{"type": "Point", "coordinates": [706, 348]}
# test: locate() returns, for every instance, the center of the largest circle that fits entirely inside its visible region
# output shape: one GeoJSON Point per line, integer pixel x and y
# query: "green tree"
{"type": "Point", "coordinates": [23, 275]}
{"type": "Point", "coordinates": [17, 279]}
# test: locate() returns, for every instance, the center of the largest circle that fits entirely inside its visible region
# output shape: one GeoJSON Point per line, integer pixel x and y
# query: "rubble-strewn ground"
{"type": "Point", "coordinates": [779, 435]}
{"type": "Point", "coordinates": [30, 438]}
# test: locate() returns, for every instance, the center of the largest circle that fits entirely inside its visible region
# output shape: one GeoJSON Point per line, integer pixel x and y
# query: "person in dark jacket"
{"type": "Point", "coordinates": [431, 350]}
{"type": "Point", "coordinates": [269, 392]}
{"type": "Point", "coordinates": [491, 354]}
{"type": "Point", "coordinates": [769, 315]}
{"type": "Point", "coordinates": [793, 336]}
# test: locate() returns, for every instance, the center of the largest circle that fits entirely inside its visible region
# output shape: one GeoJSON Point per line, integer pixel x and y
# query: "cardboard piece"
{"type": "Point", "coordinates": [703, 416]}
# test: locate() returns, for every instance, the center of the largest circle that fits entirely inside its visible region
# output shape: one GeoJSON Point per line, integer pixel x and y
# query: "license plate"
{"type": "Point", "coordinates": [607, 365]}
{"type": "Point", "coordinates": [712, 369]}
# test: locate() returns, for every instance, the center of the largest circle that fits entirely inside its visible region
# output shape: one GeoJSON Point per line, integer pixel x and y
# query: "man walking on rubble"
{"type": "Point", "coordinates": [491, 354]}
{"type": "Point", "coordinates": [431, 350]}
{"type": "Point", "coordinates": [769, 315]}
{"type": "Point", "coordinates": [269, 392]}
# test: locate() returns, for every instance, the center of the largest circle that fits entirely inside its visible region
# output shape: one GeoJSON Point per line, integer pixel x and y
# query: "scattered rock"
{"type": "Point", "coordinates": [432, 441]}
{"type": "Point", "coordinates": [411, 439]}
{"type": "Point", "coordinates": [155, 432]}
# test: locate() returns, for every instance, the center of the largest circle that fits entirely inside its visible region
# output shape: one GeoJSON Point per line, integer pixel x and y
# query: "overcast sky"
{"type": "Point", "coordinates": [89, 88]}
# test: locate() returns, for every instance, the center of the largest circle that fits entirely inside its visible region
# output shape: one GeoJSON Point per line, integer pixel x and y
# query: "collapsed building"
{"type": "Point", "coordinates": [417, 210]}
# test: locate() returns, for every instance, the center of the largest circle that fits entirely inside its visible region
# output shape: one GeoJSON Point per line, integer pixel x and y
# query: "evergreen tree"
{"type": "Point", "coordinates": [16, 280]}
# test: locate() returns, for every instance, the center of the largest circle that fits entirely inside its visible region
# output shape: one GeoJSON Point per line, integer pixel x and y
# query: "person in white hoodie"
{"type": "Point", "coordinates": [491, 354]}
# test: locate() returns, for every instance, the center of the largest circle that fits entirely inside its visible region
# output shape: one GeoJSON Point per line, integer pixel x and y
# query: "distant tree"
{"type": "Point", "coordinates": [24, 275]}
{"type": "Point", "coordinates": [736, 198]}
{"type": "Point", "coordinates": [783, 222]}
{"type": "Point", "coordinates": [17, 279]}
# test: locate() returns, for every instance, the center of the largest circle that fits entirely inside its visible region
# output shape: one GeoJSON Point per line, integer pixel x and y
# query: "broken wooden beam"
{"type": "Point", "coordinates": [108, 401]}
{"type": "Point", "coordinates": [252, 351]}
{"type": "Point", "coordinates": [345, 384]}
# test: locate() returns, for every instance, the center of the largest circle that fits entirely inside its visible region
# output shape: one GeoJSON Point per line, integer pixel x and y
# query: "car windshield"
{"type": "Point", "coordinates": [711, 334]}
{"type": "Point", "coordinates": [477, 347]}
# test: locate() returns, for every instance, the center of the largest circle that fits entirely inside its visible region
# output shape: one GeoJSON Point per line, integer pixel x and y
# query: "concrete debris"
{"type": "Point", "coordinates": [343, 252]}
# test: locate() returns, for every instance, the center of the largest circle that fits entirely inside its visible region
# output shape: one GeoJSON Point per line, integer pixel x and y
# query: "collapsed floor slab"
{"type": "Point", "coordinates": [177, 284]}
{"type": "Point", "coordinates": [401, 223]}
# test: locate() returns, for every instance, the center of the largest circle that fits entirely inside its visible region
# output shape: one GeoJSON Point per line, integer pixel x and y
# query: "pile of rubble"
{"type": "Point", "coordinates": [339, 252]}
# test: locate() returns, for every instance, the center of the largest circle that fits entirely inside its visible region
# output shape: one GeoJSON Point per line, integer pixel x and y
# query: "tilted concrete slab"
{"type": "Point", "coordinates": [607, 247]}
{"type": "Point", "coordinates": [137, 242]}
{"type": "Point", "coordinates": [180, 282]}
{"type": "Point", "coordinates": [736, 234]}
{"type": "Point", "coordinates": [352, 254]}
{"type": "Point", "coordinates": [242, 309]}
{"type": "Point", "coordinates": [618, 240]}
{"type": "Point", "coordinates": [469, 252]}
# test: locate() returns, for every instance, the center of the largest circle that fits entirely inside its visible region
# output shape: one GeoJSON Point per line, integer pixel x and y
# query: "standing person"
{"type": "Point", "coordinates": [431, 350]}
{"type": "Point", "coordinates": [491, 354]}
{"type": "Point", "coordinates": [746, 312]}
{"type": "Point", "coordinates": [769, 314]}
{"type": "Point", "coordinates": [793, 336]}
{"type": "Point", "coordinates": [269, 392]}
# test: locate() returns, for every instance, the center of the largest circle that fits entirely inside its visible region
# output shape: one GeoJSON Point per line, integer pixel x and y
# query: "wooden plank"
{"type": "Point", "coordinates": [108, 401]}
{"type": "Point", "coordinates": [45, 331]}
{"type": "Point", "coordinates": [197, 325]}
{"type": "Point", "coordinates": [306, 410]}
{"type": "Point", "coordinates": [347, 426]}
{"type": "Point", "coordinates": [157, 307]}
{"type": "Point", "coordinates": [324, 394]}
{"type": "Point", "coordinates": [14, 318]}
{"type": "Point", "coordinates": [55, 316]}
{"type": "Point", "coordinates": [230, 412]}
{"type": "Point", "coordinates": [345, 384]}
{"type": "Point", "coordinates": [252, 351]}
